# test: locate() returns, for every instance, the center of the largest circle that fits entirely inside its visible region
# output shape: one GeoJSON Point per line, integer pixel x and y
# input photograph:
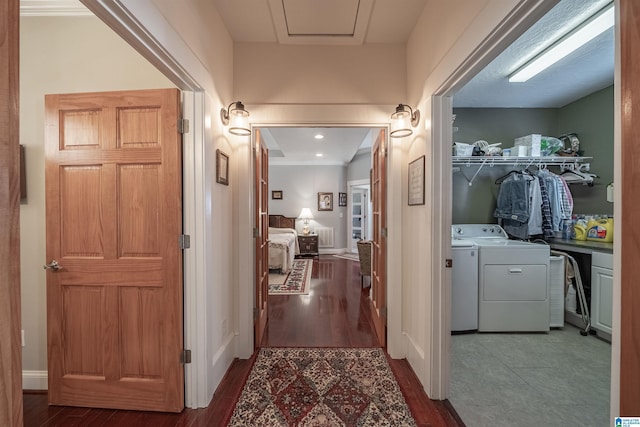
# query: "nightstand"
{"type": "Point", "coordinates": [308, 244]}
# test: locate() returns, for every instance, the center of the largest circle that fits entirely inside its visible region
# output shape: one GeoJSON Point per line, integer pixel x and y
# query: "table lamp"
{"type": "Point", "coordinates": [305, 216]}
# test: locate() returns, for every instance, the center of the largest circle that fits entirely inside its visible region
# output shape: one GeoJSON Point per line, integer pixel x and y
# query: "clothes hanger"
{"type": "Point", "coordinates": [519, 172]}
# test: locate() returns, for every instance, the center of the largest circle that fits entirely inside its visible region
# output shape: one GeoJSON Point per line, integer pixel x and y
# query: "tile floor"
{"type": "Point", "coordinates": [555, 379]}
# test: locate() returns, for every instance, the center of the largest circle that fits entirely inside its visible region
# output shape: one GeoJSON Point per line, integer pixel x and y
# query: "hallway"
{"type": "Point", "coordinates": [335, 313]}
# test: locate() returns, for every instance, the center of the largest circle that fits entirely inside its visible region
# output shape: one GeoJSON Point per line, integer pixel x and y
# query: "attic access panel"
{"type": "Point", "coordinates": [320, 18]}
{"type": "Point", "coordinates": [321, 22]}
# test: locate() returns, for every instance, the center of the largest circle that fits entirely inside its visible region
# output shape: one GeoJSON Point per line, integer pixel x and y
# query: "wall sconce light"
{"type": "Point", "coordinates": [305, 216]}
{"type": "Point", "coordinates": [402, 120]}
{"type": "Point", "coordinates": [236, 117]}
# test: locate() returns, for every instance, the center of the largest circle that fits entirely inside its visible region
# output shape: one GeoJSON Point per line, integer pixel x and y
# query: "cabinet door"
{"type": "Point", "coordinates": [602, 298]}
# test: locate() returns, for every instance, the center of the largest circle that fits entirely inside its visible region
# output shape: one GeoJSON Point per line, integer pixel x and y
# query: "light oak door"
{"type": "Point", "coordinates": [11, 411]}
{"type": "Point", "coordinates": [114, 217]}
{"type": "Point", "coordinates": [630, 209]}
{"type": "Point", "coordinates": [262, 238]}
{"type": "Point", "coordinates": [379, 248]}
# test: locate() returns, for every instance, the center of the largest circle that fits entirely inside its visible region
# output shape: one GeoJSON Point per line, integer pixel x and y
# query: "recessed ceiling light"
{"type": "Point", "coordinates": [319, 136]}
{"type": "Point", "coordinates": [319, 154]}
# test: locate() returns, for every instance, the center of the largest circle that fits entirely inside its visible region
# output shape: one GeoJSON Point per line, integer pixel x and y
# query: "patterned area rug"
{"type": "Point", "coordinates": [352, 257]}
{"type": "Point", "coordinates": [321, 387]}
{"type": "Point", "coordinates": [297, 282]}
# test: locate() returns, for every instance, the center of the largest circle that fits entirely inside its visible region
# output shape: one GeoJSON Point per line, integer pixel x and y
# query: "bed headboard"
{"type": "Point", "coordinates": [281, 221]}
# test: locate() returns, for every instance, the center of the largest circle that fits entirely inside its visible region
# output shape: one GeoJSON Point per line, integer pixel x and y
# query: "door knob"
{"type": "Point", "coordinates": [53, 266]}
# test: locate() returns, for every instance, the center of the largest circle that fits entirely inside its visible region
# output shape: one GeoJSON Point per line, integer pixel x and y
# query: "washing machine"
{"type": "Point", "coordinates": [464, 286]}
{"type": "Point", "coordinates": [513, 280]}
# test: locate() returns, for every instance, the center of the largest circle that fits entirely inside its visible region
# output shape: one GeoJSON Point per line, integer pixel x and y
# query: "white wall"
{"type": "Point", "coordinates": [300, 186]}
{"type": "Point", "coordinates": [59, 55]}
{"type": "Point", "coordinates": [360, 166]}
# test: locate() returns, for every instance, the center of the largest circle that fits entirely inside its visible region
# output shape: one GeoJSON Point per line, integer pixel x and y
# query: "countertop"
{"type": "Point", "coordinates": [581, 246]}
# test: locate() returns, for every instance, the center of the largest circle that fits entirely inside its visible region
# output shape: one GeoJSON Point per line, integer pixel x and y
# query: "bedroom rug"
{"type": "Point", "coordinates": [352, 257]}
{"type": "Point", "coordinates": [297, 282]}
{"type": "Point", "coordinates": [321, 387]}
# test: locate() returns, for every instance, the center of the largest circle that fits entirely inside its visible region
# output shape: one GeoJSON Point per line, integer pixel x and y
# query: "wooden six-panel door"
{"type": "Point", "coordinates": [379, 238]}
{"type": "Point", "coordinates": [261, 173]}
{"type": "Point", "coordinates": [114, 217]}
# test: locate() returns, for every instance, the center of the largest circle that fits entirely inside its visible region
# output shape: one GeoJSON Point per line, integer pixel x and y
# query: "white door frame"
{"type": "Point", "coordinates": [367, 224]}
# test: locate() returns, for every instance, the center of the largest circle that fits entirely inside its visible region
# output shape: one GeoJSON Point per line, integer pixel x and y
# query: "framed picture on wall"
{"type": "Point", "coordinates": [342, 199]}
{"type": "Point", "coordinates": [222, 168]}
{"type": "Point", "coordinates": [416, 182]}
{"type": "Point", "coordinates": [276, 194]}
{"type": "Point", "coordinates": [325, 201]}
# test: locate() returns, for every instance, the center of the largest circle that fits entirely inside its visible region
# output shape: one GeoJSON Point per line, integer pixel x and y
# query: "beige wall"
{"type": "Point", "coordinates": [59, 55]}
{"type": "Point", "coordinates": [201, 28]}
{"type": "Point", "coordinates": [266, 73]}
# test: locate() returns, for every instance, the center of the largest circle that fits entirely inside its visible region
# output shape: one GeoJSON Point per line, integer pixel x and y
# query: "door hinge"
{"type": "Point", "coordinates": [383, 312]}
{"type": "Point", "coordinates": [448, 263]}
{"type": "Point", "coordinates": [183, 126]}
{"type": "Point", "coordinates": [185, 357]}
{"type": "Point", "coordinates": [256, 232]}
{"type": "Point", "coordinates": [184, 241]}
{"type": "Point", "coordinates": [255, 313]}
{"type": "Point", "coordinates": [384, 232]}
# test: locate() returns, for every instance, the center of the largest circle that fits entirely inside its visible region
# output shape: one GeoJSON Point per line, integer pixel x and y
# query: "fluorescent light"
{"type": "Point", "coordinates": [319, 154]}
{"type": "Point", "coordinates": [319, 136]}
{"type": "Point", "coordinates": [586, 32]}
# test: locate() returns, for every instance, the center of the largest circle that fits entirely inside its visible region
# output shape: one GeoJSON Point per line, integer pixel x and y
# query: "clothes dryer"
{"type": "Point", "coordinates": [513, 280]}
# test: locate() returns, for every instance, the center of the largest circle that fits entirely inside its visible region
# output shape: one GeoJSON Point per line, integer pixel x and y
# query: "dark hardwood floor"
{"type": "Point", "coordinates": [334, 314]}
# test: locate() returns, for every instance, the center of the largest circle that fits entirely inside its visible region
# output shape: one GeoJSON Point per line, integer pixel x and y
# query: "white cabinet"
{"type": "Point", "coordinates": [601, 291]}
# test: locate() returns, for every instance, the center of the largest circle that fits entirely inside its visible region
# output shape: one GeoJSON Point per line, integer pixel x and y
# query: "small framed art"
{"type": "Point", "coordinates": [276, 194]}
{"type": "Point", "coordinates": [416, 182]}
{"type": "Point", "coordinates": [325, 201]}
{"type": "Point", "coordinates": [222, 168]}
{"type": "Point", "coordinates": [342, 199]}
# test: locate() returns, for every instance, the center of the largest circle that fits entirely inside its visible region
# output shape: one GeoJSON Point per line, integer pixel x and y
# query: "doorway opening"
{"type": "Point", "coordinates": [472, 186]}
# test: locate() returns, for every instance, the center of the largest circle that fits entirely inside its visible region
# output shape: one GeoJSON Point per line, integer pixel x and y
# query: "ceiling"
{"type": "Point", "coordinates": [320, 22]}
{"type": "Point", "coordinates": [353, 22]}
{"type": "Point", "coordinates": [298, 146]}
{"type": "Point", "coordinates": [583, 72]}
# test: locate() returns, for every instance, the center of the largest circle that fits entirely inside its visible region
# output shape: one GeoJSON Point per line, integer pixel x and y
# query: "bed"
{"type": "Point", "coordinates": [283, 243]}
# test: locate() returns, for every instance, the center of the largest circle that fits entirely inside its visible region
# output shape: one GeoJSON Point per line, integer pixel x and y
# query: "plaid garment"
{"type": "Point", "coordinates": [567, 200]}
{"type": "Point", "coordinates": [547, 226]}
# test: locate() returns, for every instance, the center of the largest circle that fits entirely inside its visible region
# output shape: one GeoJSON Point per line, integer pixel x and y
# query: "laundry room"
{"type": "Point", "coordinates": [531, 296]}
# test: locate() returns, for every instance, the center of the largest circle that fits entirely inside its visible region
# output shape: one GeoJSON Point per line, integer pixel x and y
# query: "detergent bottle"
{"type": "Point", "coordinates": [580, 228]}
{"type": "Point", "coordinates": [600, 230]}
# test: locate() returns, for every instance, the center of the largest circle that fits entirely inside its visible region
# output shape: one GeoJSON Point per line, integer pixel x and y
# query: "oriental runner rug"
{"type": "Point", "coordinates": [296, 282]}
{"type": "Point", "coordinates": [321, 387]}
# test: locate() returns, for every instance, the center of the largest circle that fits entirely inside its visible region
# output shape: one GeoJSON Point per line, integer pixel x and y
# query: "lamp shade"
{"type": "Point", "coordinates": [237, 118]}
{"type": "Point", "coordinates": [402, 120]}
{"type": "Point", "coordinates": [305, 214]}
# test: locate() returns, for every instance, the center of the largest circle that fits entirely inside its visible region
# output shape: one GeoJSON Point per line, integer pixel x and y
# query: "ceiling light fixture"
{"type": "Point", "coordinates": [237, 118]}
{"type": "Point", "coordinates": [319, 154]}
{"type": "Point", "coordinates": [402, 120]}
{"type": "Point", "coordinates": [585, 32]}
{"type": "Point", "coordinates": [319, 136]}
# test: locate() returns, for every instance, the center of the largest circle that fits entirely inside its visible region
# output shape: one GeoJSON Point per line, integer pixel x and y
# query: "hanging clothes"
{"type": "Point", "coordinates": [530, 206]}
{"type": "Point", "coordinates": [513, 205]}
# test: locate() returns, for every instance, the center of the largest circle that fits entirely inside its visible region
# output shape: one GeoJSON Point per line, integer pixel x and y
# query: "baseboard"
{"type": "Point", "coordinates": [35, 380]}
{"type": "Point", "coordinates": [331, 251]}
